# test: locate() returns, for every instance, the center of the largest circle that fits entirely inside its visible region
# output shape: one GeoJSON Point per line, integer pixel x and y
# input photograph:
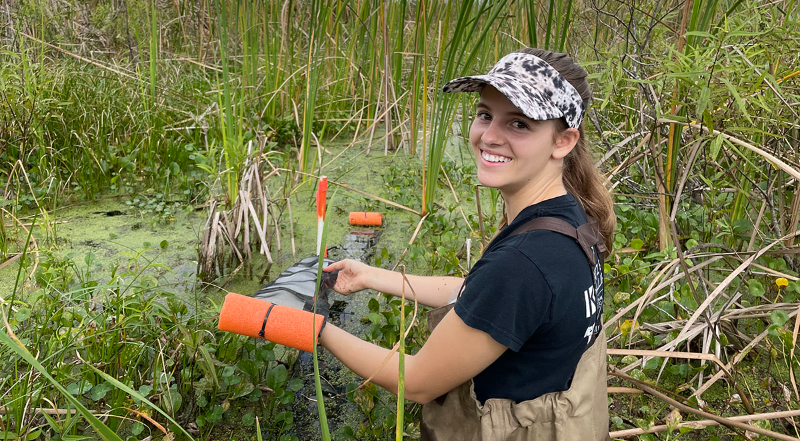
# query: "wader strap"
{"type": "Point", "coordinates": [587, 235]}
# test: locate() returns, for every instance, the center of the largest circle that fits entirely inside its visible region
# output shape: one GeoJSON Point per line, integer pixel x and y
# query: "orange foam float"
{"type": "Point", "coordinates": [366, 218]}
{"type": "Point", "coordinates": [261, 319]}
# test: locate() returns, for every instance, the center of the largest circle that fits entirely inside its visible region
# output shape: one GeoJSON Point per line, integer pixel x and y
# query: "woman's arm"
{"type": "Point", "coordinates": [453, 354]}
{"type": "Point", "coordinates": [355, 276]}
{"type": "Point", "coordinates": [430, 290]}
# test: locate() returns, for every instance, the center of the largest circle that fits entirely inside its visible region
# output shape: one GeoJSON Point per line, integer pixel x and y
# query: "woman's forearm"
{"type": "Point", "coordinates": [430, 290]}
{"type": "Point", "coordinates": [362, 357]}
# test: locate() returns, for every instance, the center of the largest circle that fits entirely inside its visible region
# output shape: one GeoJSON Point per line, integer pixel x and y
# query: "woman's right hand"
{"type": "Point", "coordinates": [352, 275]}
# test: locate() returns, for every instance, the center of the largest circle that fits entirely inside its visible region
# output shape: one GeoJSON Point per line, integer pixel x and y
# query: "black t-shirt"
{"type": "Point", "coordinates": [534, 293]}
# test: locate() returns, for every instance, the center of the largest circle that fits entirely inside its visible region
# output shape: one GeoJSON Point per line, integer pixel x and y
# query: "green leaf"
{"type": "Point", "coordinates": [637, 244]}
{"type": "Point", "coordinates": [715, 146]}
{"type": "Point", "coordinates": [145, 389]}
{"type": "Point", "coordinates": [99, 391]}
{"type": "Point", "coordinates": [373, 305]}
{"type": "Point", "coordinates": [248, 367]}
{"type": "Point", "coordinates": [374, 317]}
{"type": "Point", "coordinates": [276, 376]}
{"type": "Point", "coordinates": [22, 314]}
{"type": "Point", "coordinates": [779, 317]}
{"type": "Point", "coordinates": [172, 400]}
{"type": "Point", "coordinates": [137, 428]}
{"type": "Point", "coordinates": [737, 99]}
{"type": "Point", "coordinates": [622, 297]}
{"type": "Point", "coordinates": [679, 369]}
{"type": "Point", "coordinates": [698, 34]}
{"type": "Point", "coordinates": [653, 363]}
{"type": "Point", "coordinates": [215, 414]}
{"type": "Point", "coordinates": [295, 384]}
{"type": "Point", "coordinates": [702, 100]}
{"type": "Point", "coordinates": [248, 419]}
{"type": "Point", "coordinates": [164, 244]}
{"type": "Point", "coordinates": [79, 388]}
{"type": "Point", "coordinates": [756, 288]}
{"type": "Point", "coordinates": [227, 371]}
{"type": "Point", "coordinates": [208, 364]}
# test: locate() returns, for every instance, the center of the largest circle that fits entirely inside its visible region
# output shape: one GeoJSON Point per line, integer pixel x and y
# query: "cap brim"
{"type": "Point", "coordinates": [530, 101]}
{"type": "Point", "coordinates": [467, 84]}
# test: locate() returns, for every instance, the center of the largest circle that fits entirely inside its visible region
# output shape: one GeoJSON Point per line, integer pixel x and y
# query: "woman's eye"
{"type": "Point", "coordinates": [483, 116]}
{"type": "Point", "coordinates": [519, 125]}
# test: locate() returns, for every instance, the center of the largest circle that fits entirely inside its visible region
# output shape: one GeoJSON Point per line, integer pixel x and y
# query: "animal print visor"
{"type": "Point", "coordinates": [537, 89]}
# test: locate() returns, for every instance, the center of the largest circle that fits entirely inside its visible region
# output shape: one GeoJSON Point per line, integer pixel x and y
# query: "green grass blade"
{"type": "Point", "coordinates": [549, 26]}
{"type": "Point", "coordinates": [401, 368]}
{"type": "Point", "coordinates": [565, 27]}
{"type": "Point", "coordinates": [530, 15]}
{"type": "Point", "coordinates": [16, 345]}
{"type": "Point", "coordinates": [308, 113]}
{"type": "Point", "coordinates": [153, 51]}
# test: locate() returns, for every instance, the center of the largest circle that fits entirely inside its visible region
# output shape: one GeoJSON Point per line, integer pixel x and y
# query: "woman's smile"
{"type": "Point", "coordinates": [493, 158]}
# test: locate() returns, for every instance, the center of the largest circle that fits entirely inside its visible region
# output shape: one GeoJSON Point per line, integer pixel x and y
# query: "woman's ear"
{"type": "Point", "coordinates": [565, 142]}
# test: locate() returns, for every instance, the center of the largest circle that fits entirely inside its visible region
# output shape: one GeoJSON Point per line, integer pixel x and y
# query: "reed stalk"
{"type": "Point", "coordinates": [401, 368]}
{"type": "Point", "coordinates": [323, 418]}
{"type": "Point", "coordinates": [153, 55]}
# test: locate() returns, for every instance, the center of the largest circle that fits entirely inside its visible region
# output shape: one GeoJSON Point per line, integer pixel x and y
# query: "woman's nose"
{"type": "Point", "coordinates": [492, 136]}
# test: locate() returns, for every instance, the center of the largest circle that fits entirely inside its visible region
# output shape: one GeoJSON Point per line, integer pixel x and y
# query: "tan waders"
{"type": "Point", "coordinates": [577, 414]}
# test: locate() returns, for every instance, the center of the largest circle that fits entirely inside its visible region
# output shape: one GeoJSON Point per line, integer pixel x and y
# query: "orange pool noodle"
{"type": "Point", "coordinates": [365, 218]}
{"type": "Point", "coordinates": [286, 326]}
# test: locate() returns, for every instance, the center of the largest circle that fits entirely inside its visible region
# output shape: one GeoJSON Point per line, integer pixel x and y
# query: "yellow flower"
{"type": "Point", "coordinates": [782, 282]}
{"type": "Point", "coordinates": [628, 326]}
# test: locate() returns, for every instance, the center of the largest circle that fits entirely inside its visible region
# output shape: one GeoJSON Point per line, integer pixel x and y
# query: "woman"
{"type": "Point", "coordinates": [516, 357]}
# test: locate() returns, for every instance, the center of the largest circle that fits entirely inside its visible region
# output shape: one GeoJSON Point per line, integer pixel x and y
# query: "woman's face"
{"type": "Point", "coordinates": [513, 151]}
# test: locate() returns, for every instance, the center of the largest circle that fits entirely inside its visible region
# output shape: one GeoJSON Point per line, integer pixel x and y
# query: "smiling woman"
{"type": "Point", "coordinates": [521, 354]}
{"type": "Point", "coordinates": [520, 351]}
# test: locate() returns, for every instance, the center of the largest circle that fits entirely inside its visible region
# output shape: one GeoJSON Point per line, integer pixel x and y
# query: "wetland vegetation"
{"type": "Point", "coordinates": [157, 154]}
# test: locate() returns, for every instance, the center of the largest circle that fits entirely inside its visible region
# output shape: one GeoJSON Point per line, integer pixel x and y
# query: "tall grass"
{"type": "Point", "coordinates": [695, 23]}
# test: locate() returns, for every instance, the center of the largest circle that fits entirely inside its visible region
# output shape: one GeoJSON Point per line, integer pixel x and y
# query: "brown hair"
{"type": "Point", "coordinates": [580, 175]}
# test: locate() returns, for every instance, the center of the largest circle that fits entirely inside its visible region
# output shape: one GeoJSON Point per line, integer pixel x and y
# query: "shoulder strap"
{"type": "Point", "coordinates": [587, 235]}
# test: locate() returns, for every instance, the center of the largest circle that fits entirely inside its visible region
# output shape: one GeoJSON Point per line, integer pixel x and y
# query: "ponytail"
{"type": "Point", "coordinates": [580, 175]}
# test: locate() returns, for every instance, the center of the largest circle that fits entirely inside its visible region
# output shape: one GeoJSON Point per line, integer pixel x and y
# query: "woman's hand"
{"type": "Point", "coordinates": [352, 275]}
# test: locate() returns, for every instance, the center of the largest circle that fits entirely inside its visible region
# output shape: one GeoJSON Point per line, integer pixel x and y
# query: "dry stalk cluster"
{"type": "Point", "coordinates": [251, 226]}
